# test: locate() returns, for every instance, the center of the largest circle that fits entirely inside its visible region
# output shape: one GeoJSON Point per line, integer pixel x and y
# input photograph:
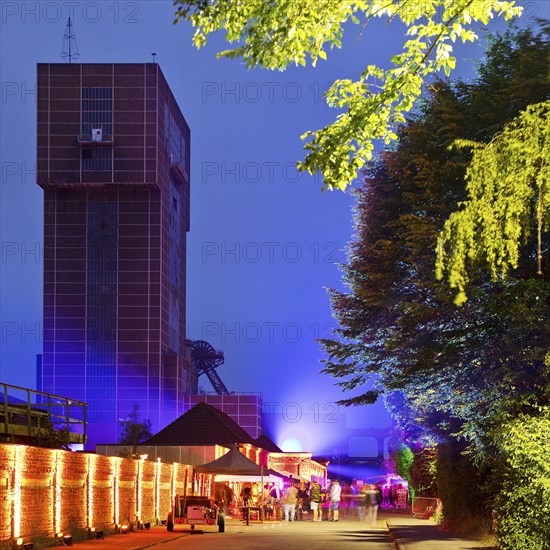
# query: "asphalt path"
{"type": "Point", "coordinates": [305, 535]}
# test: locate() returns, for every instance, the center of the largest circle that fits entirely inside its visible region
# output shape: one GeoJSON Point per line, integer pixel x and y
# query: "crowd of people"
{"type": "Point", "coordinates": [304, 498]}
{"type": "Point", "coordinates": [310, 501]}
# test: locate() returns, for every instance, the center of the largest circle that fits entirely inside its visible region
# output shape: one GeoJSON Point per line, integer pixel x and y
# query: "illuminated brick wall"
{"type": "Point", "coordinates": [44, 491]}
{"type": "Point", "coordinates": [6, 481]}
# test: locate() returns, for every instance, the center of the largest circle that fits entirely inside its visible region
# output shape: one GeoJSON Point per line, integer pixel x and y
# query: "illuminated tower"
{"type": "Point", "coordinates": [113, 159]}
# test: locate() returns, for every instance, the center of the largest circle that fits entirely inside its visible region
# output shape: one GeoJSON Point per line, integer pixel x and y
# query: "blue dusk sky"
{"type": "Point", "coordinates": [264, 242]}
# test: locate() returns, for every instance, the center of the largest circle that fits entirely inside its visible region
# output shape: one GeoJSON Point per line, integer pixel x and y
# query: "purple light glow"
{"type": "Point", "coordinates": [292, 445]}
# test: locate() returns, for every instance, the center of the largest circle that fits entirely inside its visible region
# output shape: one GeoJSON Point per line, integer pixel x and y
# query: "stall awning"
{"type": "Point", "coordinates": [231, 463]}
{"type": "Point", "coordinates": [268, 478]}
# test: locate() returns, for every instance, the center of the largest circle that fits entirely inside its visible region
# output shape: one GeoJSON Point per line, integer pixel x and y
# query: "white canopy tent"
{"type": "Point", "coordinates": [248, 478]}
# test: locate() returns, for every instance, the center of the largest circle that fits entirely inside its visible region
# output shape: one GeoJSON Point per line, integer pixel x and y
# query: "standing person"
{"type": "Point", "coordinates": [393, 496]}
{"type": "Point", "coordinates": [316, 501]}
{"type": "Point", "coordinates": [334, 498]}
{"type": "Point", "coordinates": [268, 503]}
{"type": "Point", "coordinates": [376, 503]}
{"type": "Point", "coordinates": [303, 501]}
{"type": "Point", "coordinates": [290, 499]}
{"type": "Point", "coordinates": [246, 495]}
{"type": "Point", "coordinates": [224, 495]}
{"type": "Point", "coordinates": [386, 496]}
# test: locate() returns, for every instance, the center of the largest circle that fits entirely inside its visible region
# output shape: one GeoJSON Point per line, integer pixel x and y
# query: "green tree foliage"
{"type": "Point", "coordinates": [276, 34]}
{"type": "Point", "coordinates": [523, 506]}
{"type": "Point", "coordinates": [508, 185]}
{"type": "Point", "coordinates": [462, 487]}
{"type": "Point", "coordinates": [134, 430]}
{"type": "Point", "coordinates": [402, 459]}
{"type": "Point", "coordinates": [444, 372]}
{"type": "Point", "coordinates": [423, 472]}
{"type": "Point", "coordinates": [53, 437]}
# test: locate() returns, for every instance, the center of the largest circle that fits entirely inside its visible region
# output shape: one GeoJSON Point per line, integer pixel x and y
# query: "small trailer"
{"type": "Point", "coordinates": [194, 510]}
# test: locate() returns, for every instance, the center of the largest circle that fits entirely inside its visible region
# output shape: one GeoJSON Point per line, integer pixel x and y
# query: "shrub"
{"type": "Point", "coordinates": [523, 504]}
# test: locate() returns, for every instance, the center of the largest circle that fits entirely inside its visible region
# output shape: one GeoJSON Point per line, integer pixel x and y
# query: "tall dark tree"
{"type": "Point", "coordinates": [134, 429]}
{"type": "Point", "coordinates": [443, 371]}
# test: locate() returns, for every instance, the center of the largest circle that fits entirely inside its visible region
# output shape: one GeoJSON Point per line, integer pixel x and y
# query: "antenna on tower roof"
{"type": "Point", "coordinates": [69, 49]}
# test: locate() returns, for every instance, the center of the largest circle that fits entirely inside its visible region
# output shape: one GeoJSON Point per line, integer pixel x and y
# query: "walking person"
{"type": "Point", "coordinates": [376, 503]}
{"type": "Point", "coordinates": [334, 498]}
{"type": "Point", "coordinates": [290, 500]}
{"type": "Point", "coordinates": [347, 494]}
{"type": "Point", "coordinates": [362, 502]}
{"type": "Point", "coordinates": [372, 505]}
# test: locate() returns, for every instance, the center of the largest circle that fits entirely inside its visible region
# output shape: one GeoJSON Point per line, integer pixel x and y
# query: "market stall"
{"type": "Point", "coordinates": [241, 485]}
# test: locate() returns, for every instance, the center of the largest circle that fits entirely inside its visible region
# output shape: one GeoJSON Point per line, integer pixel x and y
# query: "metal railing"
{"type": "Point", "coordinates": [27, 413]}
{"type": "Point", "coordinates": [179, 170]}
{"type": "Point", "coordinates": [106, 139]}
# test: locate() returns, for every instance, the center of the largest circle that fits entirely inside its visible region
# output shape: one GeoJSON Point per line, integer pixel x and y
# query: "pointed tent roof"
{"type": "Point", "coordinates": [201, 425]}
{"type": "Point", "coordinates": [233, 463]}
{"type": "Point", "coordinates": [234, 466]}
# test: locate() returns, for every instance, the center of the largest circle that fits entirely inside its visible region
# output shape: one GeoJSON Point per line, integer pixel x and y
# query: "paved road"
{"type": "Point", "coordinates": [344, 535]}
{"type": "Point", "coordinates": [420, 534]}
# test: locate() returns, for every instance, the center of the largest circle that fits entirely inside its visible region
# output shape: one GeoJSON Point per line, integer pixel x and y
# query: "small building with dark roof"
{"type": "Point", "coordinates": [202, 434]}
{"type": "Point", "coordinates": [203, 424]}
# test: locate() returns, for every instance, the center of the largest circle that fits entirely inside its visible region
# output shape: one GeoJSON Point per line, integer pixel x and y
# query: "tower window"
{"type": "Point", "coordinates": [97, 110]}
{"type": "Point", "coordinates": [97, 159]}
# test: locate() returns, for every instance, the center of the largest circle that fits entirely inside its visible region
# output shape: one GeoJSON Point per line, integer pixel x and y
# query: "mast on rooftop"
{"type": "Point", "coordinates": [69, 49]}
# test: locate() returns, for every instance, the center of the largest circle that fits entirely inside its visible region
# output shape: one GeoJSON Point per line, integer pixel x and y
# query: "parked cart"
{"type": "Point", "coordinates": [192, 511]}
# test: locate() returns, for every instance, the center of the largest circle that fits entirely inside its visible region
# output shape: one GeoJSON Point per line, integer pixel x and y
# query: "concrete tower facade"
{"type": "Point", "coordinates": [113, 158]}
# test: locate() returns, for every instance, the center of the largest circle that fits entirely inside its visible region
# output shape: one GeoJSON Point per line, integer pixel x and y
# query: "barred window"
{"type": "Point", "coordinates": [97, 159]}
{"type": "Point", "coordinates": [101, 305]}
{"type": "Point", "coordinates": [97, 110]}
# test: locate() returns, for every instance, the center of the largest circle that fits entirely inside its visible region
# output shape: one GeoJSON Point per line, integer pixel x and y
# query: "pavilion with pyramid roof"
{"type": "Point", "coordinates": [204, 434]}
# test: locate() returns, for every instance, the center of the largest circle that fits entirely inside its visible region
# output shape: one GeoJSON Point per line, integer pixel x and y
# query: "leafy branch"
{"type": "Point", "coordinates": [508, 183]}
{"type": "Point", "coordinates": [275, 34]}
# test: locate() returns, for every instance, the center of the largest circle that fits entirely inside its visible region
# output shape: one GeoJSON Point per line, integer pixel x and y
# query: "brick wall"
{"type": "Point", "coordinates": [73, 471]}
{"type": "Point", "coordinates": [45, 491]}
{"type": "Point", "coordinates": [101, 510]}
{"type": "Point", "coordinates": [36, 474]}
{"type": "Point", "coordinates": [6, 489]}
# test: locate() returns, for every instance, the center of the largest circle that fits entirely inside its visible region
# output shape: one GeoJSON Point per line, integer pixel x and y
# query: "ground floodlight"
{"type": "Point", "coordinates": [99, 535]}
